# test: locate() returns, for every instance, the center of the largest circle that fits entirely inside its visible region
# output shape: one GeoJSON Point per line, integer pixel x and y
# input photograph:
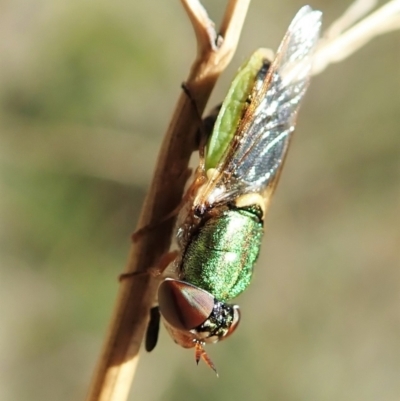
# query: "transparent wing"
{"type": "Point", "coordinates": [257, 152]}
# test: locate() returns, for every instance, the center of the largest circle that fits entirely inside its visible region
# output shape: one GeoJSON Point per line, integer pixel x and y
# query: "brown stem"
{"type": "Point", "coordinates": [119, 358]}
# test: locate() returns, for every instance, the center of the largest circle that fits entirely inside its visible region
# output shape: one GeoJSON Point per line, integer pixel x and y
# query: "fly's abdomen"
{"type": "Point", "coordinates": [221, 256]}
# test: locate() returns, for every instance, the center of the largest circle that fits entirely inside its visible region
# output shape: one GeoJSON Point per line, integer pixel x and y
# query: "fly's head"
{"type": "Point", "coordinates": [193, 317]}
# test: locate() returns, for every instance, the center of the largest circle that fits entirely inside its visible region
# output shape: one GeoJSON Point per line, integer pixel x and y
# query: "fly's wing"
{"type": "Point", "coordinates": [253, 160]}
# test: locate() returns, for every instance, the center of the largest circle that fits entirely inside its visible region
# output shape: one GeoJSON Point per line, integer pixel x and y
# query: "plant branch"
{"type": "Point", "coordinates": [116, 367]}
{"type": "Point", "coordinates": [119, 358]}
{"type": "Point", "coordinates": [342, 40]}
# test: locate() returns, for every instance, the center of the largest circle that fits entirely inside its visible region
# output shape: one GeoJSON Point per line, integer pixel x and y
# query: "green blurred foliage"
{"type": "Point", "coordinates": [86, 90]}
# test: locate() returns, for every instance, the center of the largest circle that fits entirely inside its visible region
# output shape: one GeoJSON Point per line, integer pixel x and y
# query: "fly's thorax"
{"type": "Point", "coordinates": [252, 201]}
{"type": "Point", "coordinates": [222, 252]}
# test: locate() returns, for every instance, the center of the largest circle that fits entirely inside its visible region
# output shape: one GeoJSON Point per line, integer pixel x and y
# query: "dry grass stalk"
{"type": "Point", "coordinates": [343, 38]}
{"type": "Point", "coordinates": [119, 358]}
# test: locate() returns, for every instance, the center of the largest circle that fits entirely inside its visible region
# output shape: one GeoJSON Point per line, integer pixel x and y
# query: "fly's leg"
{"type": "Point", "coordinates": [152, 329]}
{"type": "Point", "coordinates": [202, 135]}
{"type": "Point", "coordinates": [155, 271]}
{"type": "Point", "coordinates": [206, 127]}
{"type": "Point", "coordinates": [154, 322]}
{"type": "Point", "coordinates": [191, 191]}
{"type": "Point", "coordinates": [148, 228]}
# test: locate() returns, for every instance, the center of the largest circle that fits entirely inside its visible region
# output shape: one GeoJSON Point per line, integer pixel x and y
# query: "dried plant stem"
{"type": "Point", "coordinates": [116, 367]}
{"type": "Point", "coordinates": [342, 40]}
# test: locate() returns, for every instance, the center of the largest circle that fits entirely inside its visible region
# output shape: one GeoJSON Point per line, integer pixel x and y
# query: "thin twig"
{"type": "Point", "coordinates": [116, 367]}
{"type": "Point", "coordinates": [119, 358]}
{"type": "Point", "coordinates": [337, 45]}
{"type": "Point", "coordinates": [354, 12]}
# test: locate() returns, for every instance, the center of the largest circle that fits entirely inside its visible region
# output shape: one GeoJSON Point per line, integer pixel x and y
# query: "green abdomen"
{"type": "Point", "coordinates": [221, 256]}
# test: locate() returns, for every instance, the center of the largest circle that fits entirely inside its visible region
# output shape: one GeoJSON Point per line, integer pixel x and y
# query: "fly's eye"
{"type": "Point", "coordinates": [183, 305]}
{"type": "Point", "coordinates": [235, 321]}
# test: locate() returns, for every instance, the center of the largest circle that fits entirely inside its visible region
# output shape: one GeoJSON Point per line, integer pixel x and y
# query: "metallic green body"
{"type": "Point", "coordinates": [221, 255]}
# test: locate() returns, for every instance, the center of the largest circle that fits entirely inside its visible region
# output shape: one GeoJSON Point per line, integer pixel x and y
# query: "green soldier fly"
{"type": "Point", "coordinates": [220, 227]}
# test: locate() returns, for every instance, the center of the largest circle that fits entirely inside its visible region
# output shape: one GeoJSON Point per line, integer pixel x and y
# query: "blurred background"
{"type": "Point", "coordinates": [86, 92]}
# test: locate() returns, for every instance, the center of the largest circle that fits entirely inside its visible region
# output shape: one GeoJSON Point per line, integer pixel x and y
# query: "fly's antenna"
{"type": "Point", "coordinates": [201, 353]}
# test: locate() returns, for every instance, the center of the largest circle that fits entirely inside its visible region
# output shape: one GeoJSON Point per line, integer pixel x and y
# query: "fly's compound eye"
{"type": "Point", "coordinates": [188, 308]}
{"type": "Point", "coordinates": [235, 321]}
{"type": "Point", "coordinates": [183, 305]}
